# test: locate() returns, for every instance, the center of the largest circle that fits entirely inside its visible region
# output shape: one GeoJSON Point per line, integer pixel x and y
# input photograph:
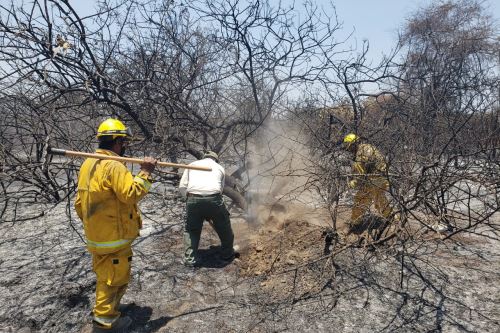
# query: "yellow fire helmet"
{"type": "Point", "coordinates": [115, 128]}
{"type": "Point", "coordinates": [349, 139]}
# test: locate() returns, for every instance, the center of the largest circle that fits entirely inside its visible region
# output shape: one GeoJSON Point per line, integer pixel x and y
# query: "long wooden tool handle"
{"type": "Point", "coordinates": [63, 152]}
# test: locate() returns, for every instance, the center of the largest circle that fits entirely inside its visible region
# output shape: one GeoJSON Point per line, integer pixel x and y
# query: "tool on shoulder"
{"type": "Point", "coordinates": [72, 153]}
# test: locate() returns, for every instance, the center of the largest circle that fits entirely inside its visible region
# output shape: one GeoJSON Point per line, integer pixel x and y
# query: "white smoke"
{"type": "Point", "coordinates": [279, 172]}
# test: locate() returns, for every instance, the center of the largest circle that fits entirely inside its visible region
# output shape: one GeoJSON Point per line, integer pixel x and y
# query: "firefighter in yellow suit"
{"type": "Point", "coordinates": [369, 178]}
{"type": "Point", "coordinates": [106, 202]}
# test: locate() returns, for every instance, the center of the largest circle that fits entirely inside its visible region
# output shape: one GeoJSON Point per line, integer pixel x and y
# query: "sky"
{"type": "Point", "coordinates": [375, 20]}
{"type": "Point", "coordinates": [378, 20]}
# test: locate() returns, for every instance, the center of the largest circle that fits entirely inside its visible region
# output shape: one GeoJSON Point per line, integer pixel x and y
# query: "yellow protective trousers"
{"type": "Point", "coordinates": [371, 191]}
{"type": "Point", "coordinates": [113, 275]}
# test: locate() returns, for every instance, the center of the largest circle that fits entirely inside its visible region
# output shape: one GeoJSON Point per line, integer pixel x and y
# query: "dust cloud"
{"type": "Point", "coordinates": [280, 183]}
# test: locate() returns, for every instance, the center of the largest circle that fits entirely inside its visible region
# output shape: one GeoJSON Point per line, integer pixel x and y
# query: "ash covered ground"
{"type": "Point", "coordinates": [284, 281]}
{"type": "Point", "coordinates": [281, 282]}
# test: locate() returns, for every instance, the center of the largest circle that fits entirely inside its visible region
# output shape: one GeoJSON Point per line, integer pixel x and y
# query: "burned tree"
{"type": "Point", "coordinates": [187, 77]}
{"type": "Point", "coordinates": [223, 75]}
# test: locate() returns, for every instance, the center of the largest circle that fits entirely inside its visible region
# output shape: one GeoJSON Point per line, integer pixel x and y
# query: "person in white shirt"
{"type": "Point", "coordinates": [204, 202]}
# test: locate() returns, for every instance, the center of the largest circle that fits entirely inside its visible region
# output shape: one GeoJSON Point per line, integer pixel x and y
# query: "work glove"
{"type": "Point", "coordinates": [353, 183]}
{"type": "Point", "coordinates": [149, 164]}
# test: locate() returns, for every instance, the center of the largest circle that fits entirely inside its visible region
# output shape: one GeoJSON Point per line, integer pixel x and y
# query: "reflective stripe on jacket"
{"type": "Point", "coordinates": [106, 202]}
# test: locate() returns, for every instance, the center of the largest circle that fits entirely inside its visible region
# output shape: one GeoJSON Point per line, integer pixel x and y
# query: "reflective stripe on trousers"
{"type": "Point", "coordinates": [108, 245]}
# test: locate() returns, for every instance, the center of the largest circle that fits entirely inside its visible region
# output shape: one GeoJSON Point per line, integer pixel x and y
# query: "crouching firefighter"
{"type": "Point", "coordinates": [369, 179]}
{"type": "Point", "coordinates": [106, 202]}
{"type": "Point", "coordinates": [204, 202]}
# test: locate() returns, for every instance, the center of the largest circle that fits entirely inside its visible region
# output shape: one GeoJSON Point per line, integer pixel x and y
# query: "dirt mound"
{"type": "Point", "coordinates": [281, 254]}
{"type": "Point", "coordinates": [282, 245]}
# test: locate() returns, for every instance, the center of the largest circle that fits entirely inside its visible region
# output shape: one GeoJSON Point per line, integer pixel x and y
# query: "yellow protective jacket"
{"type": "Point", "coordinates": [369, 166]}
{"type": "Point", "coordinates": [106, 202]}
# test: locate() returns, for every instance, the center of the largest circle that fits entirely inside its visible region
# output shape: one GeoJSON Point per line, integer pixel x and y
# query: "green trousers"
{"type": "Point", "coordinates": [198, 210]}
